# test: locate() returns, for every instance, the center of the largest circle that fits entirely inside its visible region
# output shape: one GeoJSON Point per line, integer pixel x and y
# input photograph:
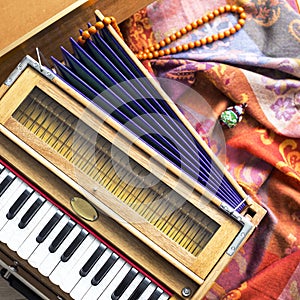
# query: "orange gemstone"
{"type": "Point", "coordinates": [179, 48]}
{"type": "Point", "coordinates": [92, 30]}
{"type": "Point", "coordinates": [155, 54]}
{"type": "Point", "coordinates": [151, 48]}
{"type": "Point", "coordinates": [99, 25]}
{"type": "Point", "coordinates": [145, 56]}
{"type": "Point", "coordinates": [167, 51]}
{"type": "Point", "coordinates": [147, 51]}
{"type": "Point", "coordinates": [203, 41]}
{"type": "Point", "coordinates": [107, 20]}
{"type": "Point", "coordinates": [173, 50]}
{"type": "Point", "coordinates": [156, 46]}
{"type": "Point", "coordinates": [85, 35]}
{"type": "Point", "coordinates": [150, 55]}
{"type": "Point", "coordinates": [140, 56]}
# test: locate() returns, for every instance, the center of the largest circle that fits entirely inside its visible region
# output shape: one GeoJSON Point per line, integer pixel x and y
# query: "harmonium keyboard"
{"type": "Point", "coordinates": [106, 190]}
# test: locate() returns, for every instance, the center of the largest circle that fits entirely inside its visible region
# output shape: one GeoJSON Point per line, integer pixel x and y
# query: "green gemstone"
{"type": "Point", "coordinates": [229, 118]}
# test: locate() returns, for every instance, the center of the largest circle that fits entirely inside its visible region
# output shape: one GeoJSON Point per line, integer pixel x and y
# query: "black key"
{"type": "Point", "coordinates": [74, 245]}
{"type": "Point", "coordinates": [49, 227]}
{"type": "Point", "coordinates": [33, 209]}
{"type": "Point", "coordinates": [18, 204]}
{"type": "Point", "coordinates": [140, 289]}
{"type": "Point", "coordinates": [124, 284]}
{"type": "Point", "coordinates": [61, 236]}
{"type": "Point", "coordinates": [156, 294]}
{"type": "Point", "coordinates": [5, 183]}
{"type": "Point", "coordinates": [104, 269]}
{"type": "Point", "coordinates": [92, 260]}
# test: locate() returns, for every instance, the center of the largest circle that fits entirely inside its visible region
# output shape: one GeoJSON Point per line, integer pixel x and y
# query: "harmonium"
{"type": "Point", "coordinates": [106, 190]}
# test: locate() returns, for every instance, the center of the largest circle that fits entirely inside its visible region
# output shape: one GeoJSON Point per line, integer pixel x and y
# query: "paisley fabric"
{"type": "Point", "coordinates": [260, 66]}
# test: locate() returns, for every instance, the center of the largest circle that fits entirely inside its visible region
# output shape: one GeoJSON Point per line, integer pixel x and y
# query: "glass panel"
{"type": "Point", "coordinates": [125, 178]}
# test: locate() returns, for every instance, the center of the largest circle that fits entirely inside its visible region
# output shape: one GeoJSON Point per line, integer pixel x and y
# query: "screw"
{"type": "Point", "coordinates": [186, 292]}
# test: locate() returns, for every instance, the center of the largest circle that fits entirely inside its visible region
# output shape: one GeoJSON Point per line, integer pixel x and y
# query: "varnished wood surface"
{"type": "Point", "coordinates": [57, 34]}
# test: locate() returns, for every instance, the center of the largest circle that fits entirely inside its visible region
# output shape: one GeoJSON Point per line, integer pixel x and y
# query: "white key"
{"type": "Point", "coordinates": [163, 297]}
{"type": "Point", "coordinates": [8, 231]}
{"type": "Point", "coordinates": [115, 282]}
{"type": "Point", "coordinates": [95, 291]}
{"type": "Point", "coordinates": [29, 245]}
{"type": "Point", "coordinates": [70, 281]}
{"type": "Point", "coordinates": [20, 235]}
{"type": "Point", "coordinates": [52, 259]}
{"type": "Point", "coordinates": [10, 197]}
{"type": "Point", "coordinates": [85, 283]}
{"type": "Point", "coordinates": [64, 269]}
{"type": "Point", "coordinates": [4, 174]}
{"type": "Point", "coordinates": [1, 168]}
{"type": "Point", "coordinates": [5, 199]}
{"type": "Point", "coordinates": [130, 289]}
{"type": "Point", "coordinates": [148, 291]}
{"type": "Point", "coordinates": [42, 250]}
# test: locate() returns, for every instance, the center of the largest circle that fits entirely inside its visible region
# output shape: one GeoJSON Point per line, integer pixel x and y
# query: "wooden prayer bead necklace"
{"type": "Point", "coordinates": [155, 51]}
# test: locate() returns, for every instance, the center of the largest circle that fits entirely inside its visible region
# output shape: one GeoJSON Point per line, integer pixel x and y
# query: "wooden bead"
{"type": "Point", "coordinates": [178, 34]}
{"type": "Point", "coordinates": [183, 31]}
{"type": "Point", "coordinates": [173, 37]}
{"type": "Point", "coordinates": [243, 16]}
{"type": "Point", "coordinates": [113, 20]}
{"type": "Point", "coordinates": [92, 30]}
{"type": "Point", "coordinates": [99, 25]}
{"type": "Point", "coordinates": [151, 48]}
{"type": "Point", "coordinates": [192, 45]}
{"type": "Point", "coordinates": [167, 40]}
{"type": "Point", "coordinates": [179, 48]}
{"type": "Point", "coordinates": [85, 35]}
{"type": "Point", "coordinates": [227, 7]}
{"type": "Point", "coordinates": [155, 54]}
{"type": "Point", "coordinates": [161, 52]}
{"type": "Point", "coordinates": [233, 8]}
{"type": "Point", "coordinates": [189, 27]}
{"type": "Point", "coordinates": [199, 22]}
{"type": "Point", "coordinates": [209, 39]}
{"type": "Point", "coordinates": [167, 51]}
{"type": "Point", "coordinates": [156, 46]}
{"type": "Point", "coordinates": [227, 33]}
{"type": "Point", "coordinates": [232, 30]}
{"type": "Point", "coordinates": [240, 10]}
{"type": "Point", "coordinates": [237, 27]}
{"type": "Point", "coordinates": [216, 12]}
{"type": "Point", "coordinates": [205, 19]}
{"type": "Point", "coordinates": [147, 51]}
{"type": "Point", "coordinates": [203, 41]}
{"type": "Point", "coordinates": [194, 25]}
{"type": "Point", "coordinates": [81, 41]}
{"type": "Point", "coordinates": [145, 56]}
{"type": "Point", "coordinates": [162, 43]}
{"type": "Point", "coordinates": [221, 35]}
{"type": "Point", "coordinates": [150, 55]}
{"type": "Point", "coordinates": [107, 21]}
{"type": "Point", "coordinates": [185, 47]}
{"type": "Point", "coordinates": [173, 50]}
{"type": "Point", "coordinates": [221, 9]}
{"type": "Point", "coordinates": [215, 37]}
{"type": "Point", "coordinates": [140, 56]}
{"type": "Point", "coordinates": [241, 22]}
{"type": "Point", "coordinates": [197, 43]}
{"type": "Point", "coordinates": [211, 16]}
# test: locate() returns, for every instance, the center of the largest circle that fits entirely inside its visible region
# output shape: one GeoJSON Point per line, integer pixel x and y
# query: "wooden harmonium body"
{"type": "Point", "coordinates": [107, 192]}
